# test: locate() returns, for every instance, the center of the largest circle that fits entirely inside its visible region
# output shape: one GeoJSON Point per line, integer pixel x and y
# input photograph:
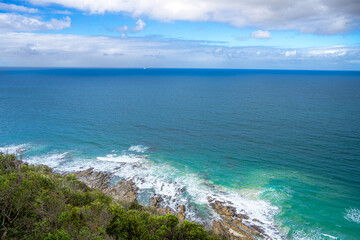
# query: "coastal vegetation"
{"type": "Point", "coordinates": [37, 203]}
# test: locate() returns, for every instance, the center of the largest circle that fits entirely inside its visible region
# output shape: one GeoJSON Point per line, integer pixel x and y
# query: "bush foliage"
{"type": "Point", "coordinates": [36, 203]}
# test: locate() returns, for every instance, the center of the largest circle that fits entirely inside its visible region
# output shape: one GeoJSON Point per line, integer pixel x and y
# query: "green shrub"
{"type": "Point", "coordinates": [36, 203]}
{"type": "Point", "coordinates": [58, 235]}
{"type": "Point", "coordinates": [134, 205]}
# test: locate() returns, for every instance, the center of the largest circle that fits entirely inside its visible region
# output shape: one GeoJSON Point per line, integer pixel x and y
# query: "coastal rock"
{"type": "Point", "coordinates": [237, 233]}
{"type": "Point", "coordinates": [223, 210]}
{"type": "Point", "coordinates": [156, 200]}
{"type": "Point", "coordinates": [232, 225]}
{"type": "Point", "coordinates": [218, 228]}
{"type": "Point", "coordinates": [123, 190]}
{"type": "Point", "coordinates": [181, 214]}
{"type": "Point", "coordinates": [97, 180]}
{"type": "Point", "coordinates": [242, 216]}
{"type": "Point", "coordinates": [165, 210]}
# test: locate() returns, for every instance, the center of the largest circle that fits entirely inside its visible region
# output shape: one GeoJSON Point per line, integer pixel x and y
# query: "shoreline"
{"type": "Point", "coordinates": [229, 223]}
{"type": "Point", "coordinates": [223, 212]}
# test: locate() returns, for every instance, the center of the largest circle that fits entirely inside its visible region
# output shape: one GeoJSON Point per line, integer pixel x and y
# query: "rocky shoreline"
{"type": "Point", "coordinates": [229, 224]}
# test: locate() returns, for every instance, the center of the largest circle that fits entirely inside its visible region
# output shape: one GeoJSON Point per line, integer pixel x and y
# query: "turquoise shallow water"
{"type": "Point", "coordinates": [284, 146]}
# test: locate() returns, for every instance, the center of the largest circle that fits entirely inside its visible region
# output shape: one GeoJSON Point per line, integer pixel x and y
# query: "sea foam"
{"type": "Point", "coordinates": [180, 188]}
{"type": "Point", "coordinates": [353, 215]}
{"type": "Point", "coordinates": [15, 149]}
{"type": "Point", "coordinates": [312, 234]}
{"type": "Point", "coordinates": [138, 148]}
{"type": "Point", "coordinates": [120, 159]}
{"type": "Point", "coordinates": [176, 187]}
{"type": "Point", "coordinates": [53, 160]}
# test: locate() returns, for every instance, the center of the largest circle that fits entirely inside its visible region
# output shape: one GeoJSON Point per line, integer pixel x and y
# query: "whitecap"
{"type": "Point", "coordinates": [14, 149]}
{"type": "Point", "coordinates": [353, 215]}
{"type": "Point", "coordinates": [138, 148]}
{"type": "Point", "coordinates": [121, 159]}
{"type": "Point", "coordinates": [329, 236]}
{"type": "Point", "coordinates": [311, 234]}
{"type": "Point", "coordinates": [53, 160]}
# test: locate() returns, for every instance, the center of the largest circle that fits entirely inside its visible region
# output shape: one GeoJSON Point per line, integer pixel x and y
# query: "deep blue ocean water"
{"type": "Point", "coordinates": [283, 146]}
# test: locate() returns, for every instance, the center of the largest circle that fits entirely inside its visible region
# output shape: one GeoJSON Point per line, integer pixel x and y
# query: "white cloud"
{"type": "Point", "coordinates": [290, 53]}
{"type": "Point", "coordinates": [17, 8]}
{"type": "Point", "coordinates": [355, 61]}
{"type": "Point", "coordinates": [15, 22]}
{"type": "Point", "coordinates": [122, 28]}
{"type": "Point", "coordinates": [59, 50]}
{"type": "Point", "coordinates": [312, 16]}
{"type": "Point", "coordinates": [260, 34]}
{"type": "Point", "coordinates": [63, 12]}
{"type": "Point", "coordinates": [328, 52]}
{"type": "Point", "coordinates": [140, 26]}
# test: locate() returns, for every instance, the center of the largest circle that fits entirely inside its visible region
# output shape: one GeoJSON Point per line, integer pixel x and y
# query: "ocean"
{"type": "Point", "coordinates": [283, 146]}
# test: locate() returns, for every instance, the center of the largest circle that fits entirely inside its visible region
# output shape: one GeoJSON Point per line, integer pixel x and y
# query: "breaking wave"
{"type": "Point", "coordinates": [131, 158]}
{"type": "Point", "coordinates": [14, 149]}
{"type": "Point", "coordinates": [353, 215]}
{"type": "Point", "coordinates": [312, 234]}
{"type": "Point", "coordinates": [138, 148]}
{"type": "Point", "coordinates": [53, 160]}
{"type": "Point", "coordinates": [176, 187]}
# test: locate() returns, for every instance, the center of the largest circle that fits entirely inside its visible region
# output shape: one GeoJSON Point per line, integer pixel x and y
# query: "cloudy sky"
{"type": "Point", "coordinates": [244, 34]}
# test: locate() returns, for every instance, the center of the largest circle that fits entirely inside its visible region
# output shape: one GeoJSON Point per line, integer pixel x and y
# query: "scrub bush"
{"type": "Point", "coordinates": [36, 203]}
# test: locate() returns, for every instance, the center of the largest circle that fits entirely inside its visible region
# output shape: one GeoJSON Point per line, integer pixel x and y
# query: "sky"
{"type": "Point", "coordinates": [237, 34]}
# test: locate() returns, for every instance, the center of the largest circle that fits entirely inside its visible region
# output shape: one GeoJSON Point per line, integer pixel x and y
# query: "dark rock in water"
{"type": "Point", "coordinates": [223, 210]}
{"type": "Point", "coordinates": [182, 190]}
{"type": "Point", "coordinates": [242, 216]}
{"type": "Point", "coordinates": [209, 185]}
{"type": "Point", "coordinates": [156, 200]}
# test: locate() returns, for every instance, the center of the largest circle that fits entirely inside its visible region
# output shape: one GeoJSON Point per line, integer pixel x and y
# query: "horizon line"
{"type": "Point", "coordinates": [171, 68]}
